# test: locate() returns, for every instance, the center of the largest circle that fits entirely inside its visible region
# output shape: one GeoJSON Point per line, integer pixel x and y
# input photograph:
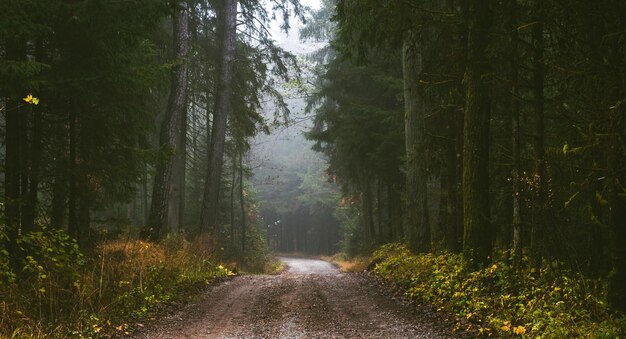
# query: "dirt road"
{"type": "Point", "coordinates": [311, 299]}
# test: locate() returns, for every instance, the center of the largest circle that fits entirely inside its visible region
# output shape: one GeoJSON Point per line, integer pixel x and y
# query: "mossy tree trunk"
{"type": "Point", "coordinates": [537, 240]}
{"type": "Point", "coordinates": [417, 221]}
{"type": "Point", "coordinates": [477, 233]}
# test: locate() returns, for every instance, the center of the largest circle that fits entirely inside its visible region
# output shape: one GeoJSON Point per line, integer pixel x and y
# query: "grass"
{"type": "Point", "coordinates": [348, 265]}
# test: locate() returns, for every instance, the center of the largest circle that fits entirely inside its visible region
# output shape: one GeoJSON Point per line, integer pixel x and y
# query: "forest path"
{"type": "Point", "coordinates": [311, 299]}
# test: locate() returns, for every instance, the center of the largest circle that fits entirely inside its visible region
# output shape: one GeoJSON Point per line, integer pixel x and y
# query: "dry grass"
{"type": "Point", "coordinates": [122, 279]}
{"type": "Point", "coordinates": [348, 265]}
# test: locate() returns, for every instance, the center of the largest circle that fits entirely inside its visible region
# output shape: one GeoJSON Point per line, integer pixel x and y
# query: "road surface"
{"type": "Point", "coordinates": [311, 299]}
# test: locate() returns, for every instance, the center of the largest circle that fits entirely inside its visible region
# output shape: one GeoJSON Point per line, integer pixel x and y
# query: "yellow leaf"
{"type": "Point", "coordinates": [30, 99]}
{"type": "Point", "coordinates": [505, 328]}
{"type": "Point", "coordinates": [519, 330]}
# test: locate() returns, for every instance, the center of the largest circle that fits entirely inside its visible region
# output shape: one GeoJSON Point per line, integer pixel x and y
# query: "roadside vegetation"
{"type": "Point", "coordinates": [60, 292]}
{"type": "Point", "coordinates": [503, 299]}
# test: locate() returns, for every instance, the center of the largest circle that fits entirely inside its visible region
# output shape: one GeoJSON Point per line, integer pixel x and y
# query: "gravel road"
{"type": "Point", "coordinates": [311, 299]}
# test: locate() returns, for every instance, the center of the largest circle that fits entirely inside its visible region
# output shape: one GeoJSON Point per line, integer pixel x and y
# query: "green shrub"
{"type": "Point", "coordinates": [502, 300]}
{"type": "Point", "coordinates": [59, 292]}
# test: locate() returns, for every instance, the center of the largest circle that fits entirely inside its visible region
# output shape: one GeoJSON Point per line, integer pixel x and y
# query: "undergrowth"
{"type": "Point", "coordinates": [60, 292]}
{"type": "Point", "coordinates": [348, 264]}
{"type": "Point", "coordinates": [501, 300]}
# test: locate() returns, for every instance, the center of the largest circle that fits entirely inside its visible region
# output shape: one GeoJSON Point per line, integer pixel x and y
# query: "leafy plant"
{"type": "Point", "coordinates": [502, 300]}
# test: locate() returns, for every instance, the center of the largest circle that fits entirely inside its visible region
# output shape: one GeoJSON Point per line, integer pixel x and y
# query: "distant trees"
{"type": "Point", "coordinates": [540, 90]}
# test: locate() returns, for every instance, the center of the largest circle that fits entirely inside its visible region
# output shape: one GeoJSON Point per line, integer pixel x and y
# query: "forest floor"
{"type": "Point", "coordinates": [311, 298]}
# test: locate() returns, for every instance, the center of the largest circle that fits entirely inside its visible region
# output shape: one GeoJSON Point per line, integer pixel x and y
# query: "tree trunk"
{"type": "Point", "coordinates": [417, 222]}
{"type": "Point", "coordinates": [144, 197]}
{"type": "Point", "coordinates": [24, 146]}
{"type": "Point", "coordinates": [537, 233]}
{"type": "Point", "coordinates": [170, 129]}
{"type": "Point", "coordinates": [368, 213]}
{"type": "Point", "coordinates": [176, 203]}
{"type": "Point", "coordinates": [59, 194]}
{"type": "Point", "coordinates": [233, 181]}
{"type": "Point", "coordinates": [228, 30]}
{"type": "Point", "coordinates": [477, 234]}
{"type": "Point", "coordinates": [379, 213]}
{"type": "Point", "coordinates": [72, 227]}
{"type": "Point", "coordinates": [12, 178]}
{"type": "Point", "coordinates": [515, 132]}
{"type": "Point", "coordinates": [30, 208]}
{"type": "Point", "coordinates": [242, 204]}
{"type": "Point", "coordinates": [390, 217]}
{"type": "Point", "coordinates": [617, 206]}
{"type": "Point", "coordinates": [13, 158]}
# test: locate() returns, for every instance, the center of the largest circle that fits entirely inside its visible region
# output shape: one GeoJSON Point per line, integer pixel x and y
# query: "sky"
{"type": "Point", "coordinates": [291, 41]}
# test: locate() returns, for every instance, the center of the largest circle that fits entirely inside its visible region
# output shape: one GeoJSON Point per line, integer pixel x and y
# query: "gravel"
{"type": "Point", "coordinates": [311, 299]}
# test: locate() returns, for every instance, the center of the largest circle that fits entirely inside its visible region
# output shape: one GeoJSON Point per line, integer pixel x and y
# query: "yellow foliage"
{"type": "Point", "coordinates": [30, 99]}
{"type": "Point", "coordinates": [519, 330]}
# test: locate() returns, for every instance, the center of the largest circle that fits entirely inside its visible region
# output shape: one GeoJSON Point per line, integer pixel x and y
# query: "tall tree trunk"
{"type": "Point", "coordinates": [182, 162]}
{"type": "Point", "coordinates": [72, 227]}
{"type": "Point", "coordinates": [515, 132]}
{"type": "Point", "coordinates": [453, 236]}
{"type": "Point", "coordinates": [85, 203]}
{"type": "Point", "coordinates": [477, 234]}
{"type": "Point", "coordinates": [176, 201]}
{"type": "Point", "coordinates": [13, 156]}
{"type": "Point", "coordinates": [537, 233]}
{"type": "Point", "coordinates": [417, 222]}
{"type": "Point", "coordinates": [59, 193]}
{"type": "Point", "coordinates": [30, 208]}
{"type": "Point", "coordinates": [228, 30]}
{"type": "Point", "coordinates": [368, 212]}
{"type": "Point", "coordinates": [144, 196]}
{"type": "Point", "coordinates": [242, 204]}
{"type": "Point", "coordinates": [233, 182]}
{"type": "Point", "coordinates": [25, 170]}
{"type": "Point", "coordinates": [616, 162]}
{"type": "Point", "coordinates": [379, 212]}
{"type": "Point", "coordinates": [390, 217]}
{"type": "Point", "coordinates": [617, 205]}
{"type": "Point", "coordinates": [170, 129]}
{"type": "Point", "coordinates": [12, 179]}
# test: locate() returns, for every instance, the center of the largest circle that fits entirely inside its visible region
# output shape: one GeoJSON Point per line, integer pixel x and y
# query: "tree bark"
{"type": "Point", "coordinates": [617, 206]}
{"type": "Point", "coordinates": [477, 234]}
{"type": "Point", "coordinates": [30, 208]}
{"type": "Point", "coordinates": [170, 128]}
{"type": "Point", "coordinates": [233, 182]}
{"type": "Point", "coordinates": [417, 222]}
{"type": "Point", "coordinates": [13, 157]}
{"type": "Point", "coordinates": [537, 233]}
{"type": "Point", "coordinates": [228, 30]}
{"type": "Point", "coordinates": [242, 204]}
{"type": "Point", "coordinates": [515, 132]}
{"type": "Point", "coordinates": [176, 203]}
{"type": "Point", "coordinates": [72, 227]}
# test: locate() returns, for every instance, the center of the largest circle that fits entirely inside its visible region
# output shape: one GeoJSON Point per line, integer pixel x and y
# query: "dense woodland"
{"type": "Point", "coordinates": [490, 129]}
{"type": "Point", "coordinates": [479, 127]}
{"type": "Point", "coordinates": [136, 104]}
{"type": "Point", "coordinates": [130, 121]}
